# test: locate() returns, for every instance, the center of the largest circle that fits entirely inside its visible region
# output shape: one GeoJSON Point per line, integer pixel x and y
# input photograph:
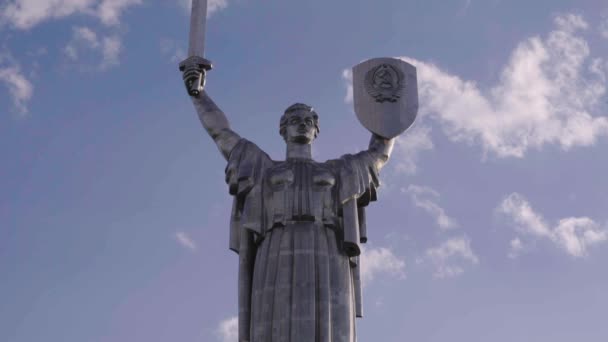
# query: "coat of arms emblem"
{"type": "Point", "coordinates": [384, 83]}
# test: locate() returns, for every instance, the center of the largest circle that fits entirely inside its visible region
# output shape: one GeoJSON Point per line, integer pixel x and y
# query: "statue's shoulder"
{"type": "Point", "coordinates": [346, 159]}
{"type": "Point", "coordinates": [333, 165]}
{"type": "Point", "coordinates": [246, 149]}
{"type": "Point", "coordinates": [246, 166]}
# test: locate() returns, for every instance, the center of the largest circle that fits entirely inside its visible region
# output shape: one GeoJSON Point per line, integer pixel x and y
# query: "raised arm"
{"type": "Point", "coordinates": [381, 148]}
{"type": "Point", "coordinates": [215, 123]}
{"type": "Point", "coordinates": [211, 116]}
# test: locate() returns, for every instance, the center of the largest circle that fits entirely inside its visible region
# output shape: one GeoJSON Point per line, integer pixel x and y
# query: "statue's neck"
{"type": "Point", "coordinates": [298, 151]}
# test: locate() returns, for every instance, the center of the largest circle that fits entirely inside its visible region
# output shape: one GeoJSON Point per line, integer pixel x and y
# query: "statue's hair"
{"type": "Point", "coordinates": [297, 107]}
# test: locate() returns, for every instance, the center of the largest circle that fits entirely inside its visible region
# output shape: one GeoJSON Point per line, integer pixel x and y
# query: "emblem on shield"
{"type": "Point", "coordinates": [384, 83]}
{"type": "Point", "coordinates": [385, 95]}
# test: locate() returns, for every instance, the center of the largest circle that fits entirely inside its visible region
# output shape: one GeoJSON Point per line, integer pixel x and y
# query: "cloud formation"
{"type": "Point", "coordinates": [380, 261]}
{"type": "Point", "coordinates": [603, 27]}
{"type": "Point", "coordinates": [409, 146]}
{"type": "Point", "coordinates": [547, 94]}
{"type": "Point", "coordinates": [347, 77]}
{"type": "Point", "coordinates": [109, 11]}
{"type": "Point", "coordinates": [516, 247]}
{"type": "Point", "coordinates": [426, 198]}
{"type": "Point", "coordinates": [173, 50]}
{"type": "Point", "coordinates": [574, 235]}
{"type": "Point", "coordinates": [85, 39]}
{"type": "Point", "coordinates": [185, 241]}
{"type": "Point", "coordinates": [228, 329]}
{"type": "Point", "coordinates": [25, 14]}
{"type": "Point", "coordinates": [450, 256]}
{"type": "Point", "coordinates": [19, 87]}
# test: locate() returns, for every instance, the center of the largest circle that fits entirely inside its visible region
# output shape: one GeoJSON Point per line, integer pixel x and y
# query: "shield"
{"type": "Point", "coordinates": [385, 93]}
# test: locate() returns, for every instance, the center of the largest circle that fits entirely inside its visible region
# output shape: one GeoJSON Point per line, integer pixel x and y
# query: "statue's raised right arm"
{"type": "Point", "coordinates": [211, 116]}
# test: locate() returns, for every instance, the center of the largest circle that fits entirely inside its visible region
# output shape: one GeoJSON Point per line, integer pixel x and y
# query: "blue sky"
{"type": "Point", "coordinates": [492, 221]}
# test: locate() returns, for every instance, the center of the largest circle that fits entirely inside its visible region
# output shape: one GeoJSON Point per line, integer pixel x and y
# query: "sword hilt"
{"type": "Point", "coordinates": [202, 65]}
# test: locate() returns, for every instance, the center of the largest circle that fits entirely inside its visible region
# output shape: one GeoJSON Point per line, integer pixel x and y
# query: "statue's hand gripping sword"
{"type": "Point", "coordinates": [196, 49]}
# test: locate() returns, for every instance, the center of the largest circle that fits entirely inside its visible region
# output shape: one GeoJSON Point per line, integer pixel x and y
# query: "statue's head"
{"type": "Point", "coordinates": [299, 124]}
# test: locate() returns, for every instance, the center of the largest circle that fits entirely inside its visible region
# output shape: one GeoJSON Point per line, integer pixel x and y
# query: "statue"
{"type": "Point", "coordinates": [297, 224]}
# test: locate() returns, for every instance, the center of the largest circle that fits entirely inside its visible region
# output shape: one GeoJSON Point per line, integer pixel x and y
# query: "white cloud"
{"type": "Point", "coordinates": [347, 76]}
{"type": "Point", "coordinates": [573, 234]}
{"type": "Point", "coordinates": [228, 330]}
{"type": "Point", "coordinates": [212, 5]}
{"type": "Point", "coordinates": [85, 39]}
{"type": "Point", "coordinates": [109, 11]}
{"type": "Point", "coordinates": [515, 248]}
{"type": "Point", "coordinates": [576, 234]}
{"type": "Point", "coordinates": [172, 49]}
{"type": "Point", "coordinates": [81, 36]}
{"type": "Point", "coordinates": [217, 5]}
{"type": "Point", "coordinates": [426, 198]}
{"type": "Point", "coordinates": [377, 261]}
{"type": "Point", "coordinates": [603, 27]}
{"type": "Point", "coordinates": [25, 14]}
{"type": "Point", "coordinates": [523, 215]}
{"type": "Point", "coordinates": [110, 49]}
{"type": "Point", "coordinates": [550, 93]}
{"type": "Point", "coordinates": [449, 256]}
{"type": "Point", "coordinates": [19, 87]}
{"type": "Point", "coordinates": [185, 240]}
{"type": "Point", "coordinates": [547, 94]}
{"type": "Point", "coordinates": [408, 147]}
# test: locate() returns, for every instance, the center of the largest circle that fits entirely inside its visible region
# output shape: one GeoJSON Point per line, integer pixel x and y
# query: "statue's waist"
{"type": "Point", "coordinates": [283, 221]}
{"type": "Point", "coordinates": [305, 204]}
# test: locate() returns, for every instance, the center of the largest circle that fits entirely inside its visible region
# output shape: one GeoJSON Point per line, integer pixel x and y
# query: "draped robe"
{"type": "Point", "coordinates": [297, 225]}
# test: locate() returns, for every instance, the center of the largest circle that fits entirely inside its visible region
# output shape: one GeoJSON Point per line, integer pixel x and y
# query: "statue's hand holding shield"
{"type": "Point", "coordinates": [385, 93]}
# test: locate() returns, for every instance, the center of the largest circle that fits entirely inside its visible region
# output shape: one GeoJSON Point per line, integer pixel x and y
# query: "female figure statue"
{"type": "Point", "coordinates": [296, 225]}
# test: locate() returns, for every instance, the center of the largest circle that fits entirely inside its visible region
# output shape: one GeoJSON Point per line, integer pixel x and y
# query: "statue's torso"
{"type": "Point", "coordinates": [287, 226]}
{"type": "Point", "coordinates": [299, 190]}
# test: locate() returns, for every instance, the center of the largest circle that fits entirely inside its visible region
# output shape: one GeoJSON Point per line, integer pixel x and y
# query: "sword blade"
{"type": "Point", "coordinates": [198, 19]}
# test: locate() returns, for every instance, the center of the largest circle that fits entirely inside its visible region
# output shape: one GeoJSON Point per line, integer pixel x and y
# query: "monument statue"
{"type": "Point", "coordinates": [297, 224]}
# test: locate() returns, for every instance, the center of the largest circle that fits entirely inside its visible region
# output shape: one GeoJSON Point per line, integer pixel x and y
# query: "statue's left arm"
{"type": "Point", "coordinates": [380, 148]}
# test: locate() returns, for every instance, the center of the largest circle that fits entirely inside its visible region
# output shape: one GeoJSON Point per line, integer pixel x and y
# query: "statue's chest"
{"type": "Point", "coordinates": [300, 175]}
{"type": "Point", "coordinates": [299, 190]}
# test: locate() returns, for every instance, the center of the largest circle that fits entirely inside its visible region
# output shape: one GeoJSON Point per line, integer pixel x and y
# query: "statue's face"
{"type": "Point", "coordinates": [301, 127]}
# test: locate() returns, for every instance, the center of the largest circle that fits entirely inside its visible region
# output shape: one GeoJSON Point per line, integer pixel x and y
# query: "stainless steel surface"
{"type": "Point", "coordinates": [198, 19]}
{"type": "Point", "coordinates": [195, 66]}
{"type": "Point", "coordinates": [297, 224]}
{"type": "Point", "coordinates": [385, 94]}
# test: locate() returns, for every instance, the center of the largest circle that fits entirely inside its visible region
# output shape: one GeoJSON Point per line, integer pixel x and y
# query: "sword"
{"type": "Point", "coordinates": [196, 48]}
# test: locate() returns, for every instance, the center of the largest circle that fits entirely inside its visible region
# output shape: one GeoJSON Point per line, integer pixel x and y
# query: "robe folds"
{"type": "Point", "coordinates": [296, 226]}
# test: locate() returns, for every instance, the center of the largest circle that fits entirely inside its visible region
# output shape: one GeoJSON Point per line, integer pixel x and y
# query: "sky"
{"type": "Point", "coordinates": [492, 220]}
